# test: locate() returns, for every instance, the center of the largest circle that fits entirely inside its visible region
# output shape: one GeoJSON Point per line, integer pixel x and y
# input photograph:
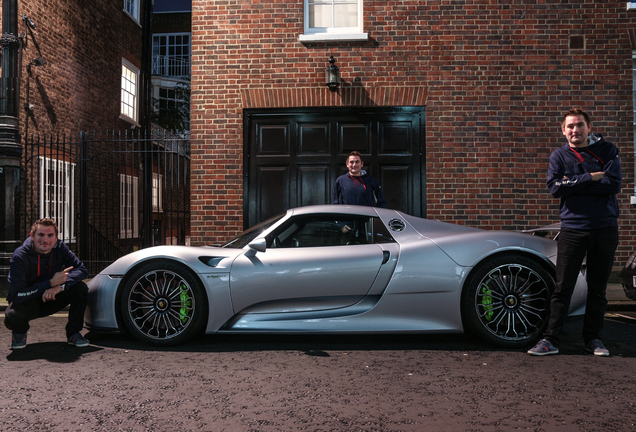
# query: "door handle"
{"type": "Point", "coordinates": [385, 256]}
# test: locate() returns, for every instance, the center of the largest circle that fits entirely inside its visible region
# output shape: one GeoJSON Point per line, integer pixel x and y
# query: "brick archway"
{"type": "Point", "coordinates": [346, 96]}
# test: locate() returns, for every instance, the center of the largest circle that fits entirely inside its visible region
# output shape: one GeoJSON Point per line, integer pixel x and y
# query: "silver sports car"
{"type": "Point", "coordinates": [336, 269]}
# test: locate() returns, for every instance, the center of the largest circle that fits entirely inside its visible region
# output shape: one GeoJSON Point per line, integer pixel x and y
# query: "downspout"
{"type": "Point", "coordinates": [144, 121]}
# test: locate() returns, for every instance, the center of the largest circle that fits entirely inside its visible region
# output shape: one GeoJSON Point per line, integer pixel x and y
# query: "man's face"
{"type": "Point", "coordinates": [354, 165]}
{"type": "Point", "coordinates": [576, 130]}
{"type": "Point", "coordinates": [44, 238]}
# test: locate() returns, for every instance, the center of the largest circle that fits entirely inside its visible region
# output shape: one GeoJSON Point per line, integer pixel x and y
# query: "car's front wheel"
{"type": "Point", "coordinates": [163, 303]}
{"type": "Point", "coordinates": [507, 300]}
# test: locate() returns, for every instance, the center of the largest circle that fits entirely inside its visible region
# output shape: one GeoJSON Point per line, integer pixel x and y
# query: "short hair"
{"type": "Point", "coordinates": [576, 112]}
{"type": "Point", "coordinates": [354, 153]}
{"type": "Point", "coordinates": [44, 222]}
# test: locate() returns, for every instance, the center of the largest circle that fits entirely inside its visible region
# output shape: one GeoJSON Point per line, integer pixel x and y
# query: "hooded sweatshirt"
{"type": "Point", "coordinates": [586, 204]}
{"type": "Point", "coordinates": [30, 273]}
{"type": "Point", "coordinates": [362, 190]}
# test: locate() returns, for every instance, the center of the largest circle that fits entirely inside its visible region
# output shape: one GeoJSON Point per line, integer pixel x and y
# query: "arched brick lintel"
{"type": "Point", "coordinates": [345, 96]}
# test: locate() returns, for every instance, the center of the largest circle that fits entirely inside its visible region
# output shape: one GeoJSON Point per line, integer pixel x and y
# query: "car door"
{"type": "Point", "coordinates": [312, 262]}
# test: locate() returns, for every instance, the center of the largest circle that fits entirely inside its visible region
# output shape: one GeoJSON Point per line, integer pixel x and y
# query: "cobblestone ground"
{"type": "Point", "coordinates": [314, 383]}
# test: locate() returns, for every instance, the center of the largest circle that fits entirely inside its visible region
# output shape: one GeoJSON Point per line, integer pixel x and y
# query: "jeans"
{"type": "Point", "coordinates": [572, 246]}
{"type": "Point", "coordinates": [17, 316]}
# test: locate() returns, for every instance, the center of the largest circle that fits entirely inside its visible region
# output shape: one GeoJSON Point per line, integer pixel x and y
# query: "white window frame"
{"type": "Point", "coordinates": [57, 195]}
{"type": "Point", "coordinates": [128, 206]}
{"type": "Point", "coordinates": [157, 193]}
{"type": "Point", "coordinates": [171, 61]}
{"type": "Point", "coordinates": [131, 8]}
{"type": "Point", "coordinates": [316, 34]}
{"type": "Point", "coordinates": [129, 91]}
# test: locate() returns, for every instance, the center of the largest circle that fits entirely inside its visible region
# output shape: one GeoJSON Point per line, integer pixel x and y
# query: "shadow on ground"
{"type": "Point", "coordinates": [619, 337]}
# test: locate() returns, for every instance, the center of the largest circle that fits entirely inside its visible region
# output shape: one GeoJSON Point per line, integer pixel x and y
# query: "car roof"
{"type": "Point", "coordinates": [337, 208]}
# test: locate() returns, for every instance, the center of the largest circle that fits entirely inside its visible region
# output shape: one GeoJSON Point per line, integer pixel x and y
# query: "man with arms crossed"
{"type": "Point", "coordinates": [586, 175]}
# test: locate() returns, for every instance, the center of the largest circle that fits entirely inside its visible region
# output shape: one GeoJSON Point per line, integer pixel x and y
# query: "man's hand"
{"type": "Point", "coordinates": [50, 293]}
{"type": "Point", "coordinates": [60, 277]}
{"type": "Point", "coordinates": [596, 176]}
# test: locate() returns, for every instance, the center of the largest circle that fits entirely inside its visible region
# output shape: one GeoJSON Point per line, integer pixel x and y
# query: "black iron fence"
{"type": "Point", "coordinates": [111, 193]}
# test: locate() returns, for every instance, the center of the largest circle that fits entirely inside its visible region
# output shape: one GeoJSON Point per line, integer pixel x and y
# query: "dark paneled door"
{"type": "Point", "coordinates": [292, 158]}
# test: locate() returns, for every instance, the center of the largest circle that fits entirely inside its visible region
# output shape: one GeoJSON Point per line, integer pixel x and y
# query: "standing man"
{"type": "Point", "coordinates": [586, 175]}
{"type": "Point", "coordinates": [44, 278]}
{"type": "Point", "coordinates": [357, 187]}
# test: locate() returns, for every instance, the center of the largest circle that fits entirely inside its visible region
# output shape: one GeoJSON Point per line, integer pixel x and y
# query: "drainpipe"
{"type": "Point", "coordinates": [144, 121]}
{"type": "Point", "coordinates": [10, 145]}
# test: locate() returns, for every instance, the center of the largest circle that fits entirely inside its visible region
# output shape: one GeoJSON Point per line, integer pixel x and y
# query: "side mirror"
{"type": "Point", "coordinates": [257, 245]}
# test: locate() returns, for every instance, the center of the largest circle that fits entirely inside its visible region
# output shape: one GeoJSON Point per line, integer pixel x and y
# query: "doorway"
{"type": "Point", "coordinates": [293, 156]}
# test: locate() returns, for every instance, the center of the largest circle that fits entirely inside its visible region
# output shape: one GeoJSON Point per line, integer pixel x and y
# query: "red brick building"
{"type": "Point", "coordinates": [84, 45]}
{"type": "Point", "coordinates": [490, 78]}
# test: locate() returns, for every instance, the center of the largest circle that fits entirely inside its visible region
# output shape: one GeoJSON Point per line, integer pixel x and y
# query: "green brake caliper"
{"type": "Point", "coordinates": [186, 304]}
{"type": "Point", "coordinates": [486, 302]}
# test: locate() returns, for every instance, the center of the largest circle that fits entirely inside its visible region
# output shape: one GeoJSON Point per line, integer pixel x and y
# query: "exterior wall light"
{"type": "Point", "coordinates": [332, 75]}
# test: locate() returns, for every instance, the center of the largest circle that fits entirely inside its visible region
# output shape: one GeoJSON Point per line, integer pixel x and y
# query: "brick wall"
{"type": "Point", "coordinates": [83, 43]}
{"type": "Point", "coordinates": [497, 76]}
{"type": "Point", "coordinates": [173, 22]}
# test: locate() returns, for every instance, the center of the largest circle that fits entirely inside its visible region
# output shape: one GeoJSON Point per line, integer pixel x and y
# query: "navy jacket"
{"type": "Point", "coordinates": [30, 273]}
{"type": "Point", "coordinates": [586, 204]}
{"type": "Point", "coordinates": [363, 190]}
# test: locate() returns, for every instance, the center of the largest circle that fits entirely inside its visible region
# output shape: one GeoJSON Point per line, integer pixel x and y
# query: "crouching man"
{"type": "Point", "coordinates": [44, 278]}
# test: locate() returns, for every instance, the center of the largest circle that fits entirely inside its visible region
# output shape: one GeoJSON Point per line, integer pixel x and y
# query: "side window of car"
{"type": "Point", "coordinates": [380, 232]}
{"type": "Point", "coordinates": [323, 230]}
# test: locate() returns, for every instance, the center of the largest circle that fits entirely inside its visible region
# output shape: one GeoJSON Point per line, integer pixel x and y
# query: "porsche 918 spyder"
{"type": "Point", "coordinates": [336, 269]}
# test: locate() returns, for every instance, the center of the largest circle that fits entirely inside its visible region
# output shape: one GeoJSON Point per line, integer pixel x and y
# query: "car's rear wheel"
{"type": "Point", "coordinates": [507, 300]}
{"type": "Point", "coordinates": [163, 303]}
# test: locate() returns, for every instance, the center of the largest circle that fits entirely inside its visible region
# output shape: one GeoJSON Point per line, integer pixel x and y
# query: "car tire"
{"type": "Point", "coordinates": [506, 301]}
{"type": "Point", "coordinates": [163, 303]}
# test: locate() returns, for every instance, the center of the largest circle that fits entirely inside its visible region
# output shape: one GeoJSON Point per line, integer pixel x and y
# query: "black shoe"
{"type": "Point", "coordinates": [78, 340]}
{"type": "Point", "coordinates": [18, 340]}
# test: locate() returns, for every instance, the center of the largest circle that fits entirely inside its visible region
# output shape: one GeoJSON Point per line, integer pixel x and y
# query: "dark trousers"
{"type": "Point", "coordinates": [600, 247]}
{"type": "Point", "coordinates": [17, 316]}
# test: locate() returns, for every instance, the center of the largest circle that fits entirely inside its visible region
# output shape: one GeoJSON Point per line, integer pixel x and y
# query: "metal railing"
{"type": "Point", "coordinates": [170, 66]}
{"type": "Point", "coordinates": [110, 192]}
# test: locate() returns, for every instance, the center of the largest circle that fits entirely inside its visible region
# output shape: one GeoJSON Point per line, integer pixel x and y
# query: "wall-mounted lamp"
{"type": "Point", "coordinates": [28, 21]}
{"type": "Point", "coordinates": [35, 62]}
{"type": "Point", "coordinates": [332, 75]}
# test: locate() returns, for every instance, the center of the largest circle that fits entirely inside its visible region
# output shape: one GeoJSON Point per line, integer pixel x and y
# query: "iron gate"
{"type": "Point", "coordinates": [111, 193]}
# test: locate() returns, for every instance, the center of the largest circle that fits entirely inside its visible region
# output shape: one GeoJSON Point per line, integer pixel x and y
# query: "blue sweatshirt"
{"type": "Point", "coordinates": [30, 273]}
{"type": "Point", "coordinates": [363, 190]}
{"type": "Point", "coordinates": [586, 204]}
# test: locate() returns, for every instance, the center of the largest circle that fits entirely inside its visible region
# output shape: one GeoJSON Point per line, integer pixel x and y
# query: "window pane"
{"type": "Point", "coordinates": [128, 206]}
{"type": "Point", "coordinates": [346, 15]}
{"type": "Point", "coordinates": [128, 92]}
{"type": "Point", "coordinates": [320, 16]}
{"type": "Point", "coordinates": [57, 195]}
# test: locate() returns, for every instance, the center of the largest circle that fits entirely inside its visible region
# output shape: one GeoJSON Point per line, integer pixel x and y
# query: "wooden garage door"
{"type": "Point", "coordinates": [293, 156]}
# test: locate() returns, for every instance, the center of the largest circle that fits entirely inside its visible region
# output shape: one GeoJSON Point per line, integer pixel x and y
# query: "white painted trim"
{"type": "Point", "coordinates": [333, 37]}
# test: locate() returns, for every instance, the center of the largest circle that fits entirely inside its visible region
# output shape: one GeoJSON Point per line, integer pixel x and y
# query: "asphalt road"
{"type": "Point", "coordinates": [315, 383]}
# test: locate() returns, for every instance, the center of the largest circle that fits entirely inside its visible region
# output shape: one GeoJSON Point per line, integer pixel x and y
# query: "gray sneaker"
{"type": "Point", "coordinates": [596, 347]}
{"type": "Point", "coordinates": [18, 340]}
{"type": "Point", "coordinates": [543, 347]}
{"type": "Point", "coordinates": [78, 340]}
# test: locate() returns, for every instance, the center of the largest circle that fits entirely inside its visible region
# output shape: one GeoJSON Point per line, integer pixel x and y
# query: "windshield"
{"type": "Point", "coordinates": [247, 236]}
